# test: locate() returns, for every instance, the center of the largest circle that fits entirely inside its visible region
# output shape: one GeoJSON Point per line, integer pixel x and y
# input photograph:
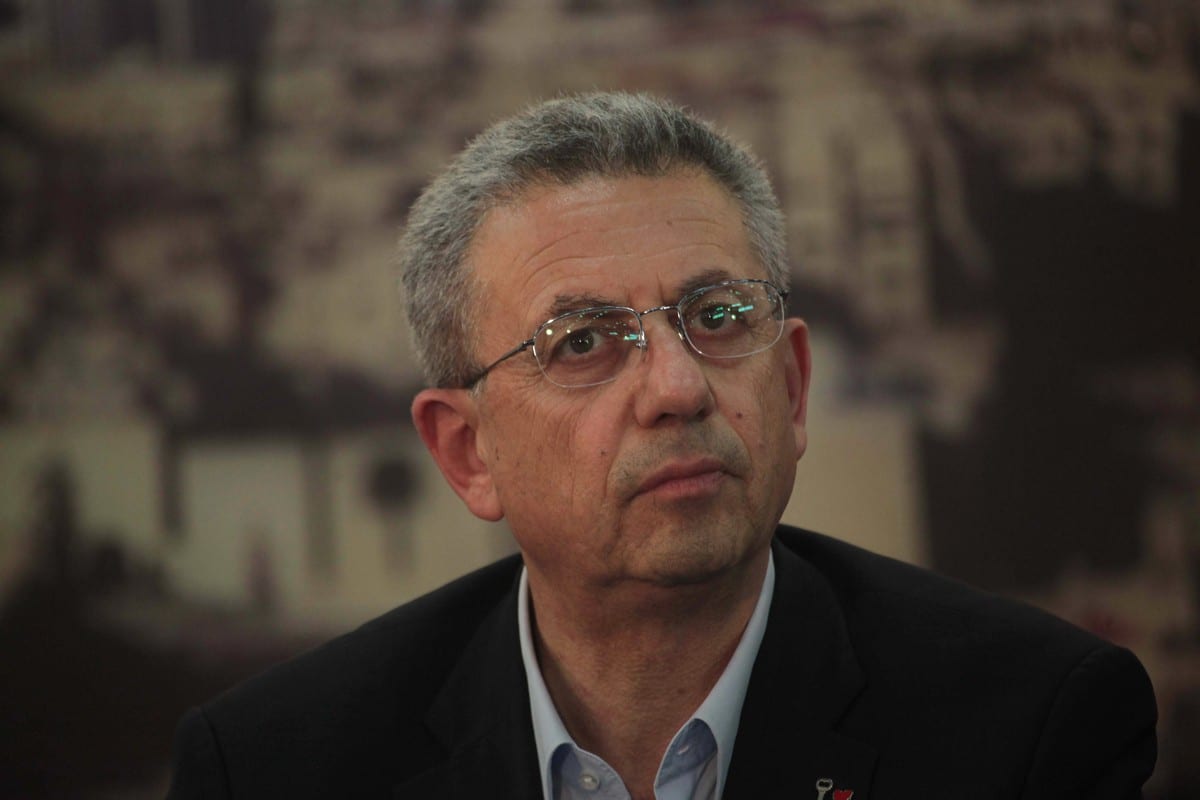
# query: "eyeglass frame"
{"type": "Point", "coordinates": [640, 343]}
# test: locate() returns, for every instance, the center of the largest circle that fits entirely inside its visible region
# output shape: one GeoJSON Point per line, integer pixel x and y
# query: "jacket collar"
{"type": "Point", "coordinates": [804, 682]}
{"type": "Point", "coordinates": [481, 717]}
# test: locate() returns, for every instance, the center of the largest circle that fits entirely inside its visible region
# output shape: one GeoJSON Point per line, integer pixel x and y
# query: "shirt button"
{"type": "Point", "coordinates": [589, 782]}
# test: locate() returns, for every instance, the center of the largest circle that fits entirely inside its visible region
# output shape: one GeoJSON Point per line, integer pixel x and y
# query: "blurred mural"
{"type": "Point", "coordinates": [206, 461]}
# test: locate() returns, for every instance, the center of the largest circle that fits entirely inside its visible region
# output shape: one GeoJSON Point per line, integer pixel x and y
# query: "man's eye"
{"type": "Point", "coordinates": [581, 342]}
{"type": "Point", "coordinates": [585, 344]}
{"type": "Point", "coordinates": [714, 317]}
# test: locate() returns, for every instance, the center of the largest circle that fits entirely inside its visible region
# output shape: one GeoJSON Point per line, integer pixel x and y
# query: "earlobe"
{"type": "Point", "coordinates": [448, 423]}
{"type": "Point", "coordinates": [799, 372]}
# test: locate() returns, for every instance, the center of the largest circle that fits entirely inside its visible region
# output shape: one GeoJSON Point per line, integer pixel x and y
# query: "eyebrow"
{"type": "Point", "coordinates": [706, 278]}
{"type": "Point", "coordinates": [566, 303]}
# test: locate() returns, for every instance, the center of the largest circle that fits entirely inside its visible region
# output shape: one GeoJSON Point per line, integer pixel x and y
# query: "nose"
{"type": "Point", "coordinates": [672, 381]}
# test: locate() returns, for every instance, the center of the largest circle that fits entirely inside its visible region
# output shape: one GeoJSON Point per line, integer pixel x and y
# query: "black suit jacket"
{"type": "Point", "coordinates": [887, 680]}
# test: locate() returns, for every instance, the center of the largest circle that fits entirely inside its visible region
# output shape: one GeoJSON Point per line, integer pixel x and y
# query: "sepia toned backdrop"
{"type": "Point", "coordinates": [206, 459]}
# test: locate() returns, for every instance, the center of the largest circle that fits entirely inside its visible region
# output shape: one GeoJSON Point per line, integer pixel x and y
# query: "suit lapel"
{"type": "Point", "coordinates": [481, 716]}
{"type": "Point", "coordinates": [805, 679]}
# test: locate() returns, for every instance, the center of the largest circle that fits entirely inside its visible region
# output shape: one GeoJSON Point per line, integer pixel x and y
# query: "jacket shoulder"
{"type": "Point", "coordinates": [354, 703]}
{"type": "Point", "coordinates": [891, 599]}
{"type": "Point", "coordinates": [413, 644]}
{"type": "Point", "coordinates": [1021, 700]}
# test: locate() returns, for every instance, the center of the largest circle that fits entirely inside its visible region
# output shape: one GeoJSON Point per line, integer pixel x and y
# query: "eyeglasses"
{"type": "Point", "coordinates": [732, 319]}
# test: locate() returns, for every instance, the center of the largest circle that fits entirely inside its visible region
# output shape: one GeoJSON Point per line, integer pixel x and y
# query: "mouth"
{"type": "Point", "coordinates": [684, 479]}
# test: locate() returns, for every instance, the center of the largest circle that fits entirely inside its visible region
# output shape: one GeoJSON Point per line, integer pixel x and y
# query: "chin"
{"type": "Point", "coordinates": [696, 561]}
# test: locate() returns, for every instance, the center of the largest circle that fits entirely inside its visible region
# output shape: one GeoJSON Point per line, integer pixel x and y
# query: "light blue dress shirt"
{"type": "Point", "coordinates": [696, 763]}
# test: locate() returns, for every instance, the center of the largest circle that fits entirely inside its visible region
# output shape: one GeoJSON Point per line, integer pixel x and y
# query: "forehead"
{"type": "Point", "coordinates": [621, 240]}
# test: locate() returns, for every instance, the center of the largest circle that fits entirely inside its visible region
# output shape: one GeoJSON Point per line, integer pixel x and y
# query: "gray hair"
{"type": "Point", "coordinates": [565, 140]}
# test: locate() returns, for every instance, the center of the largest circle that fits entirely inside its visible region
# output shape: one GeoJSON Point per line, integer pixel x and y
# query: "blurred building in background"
{"type": "Point", "coordinates": [206, 460]}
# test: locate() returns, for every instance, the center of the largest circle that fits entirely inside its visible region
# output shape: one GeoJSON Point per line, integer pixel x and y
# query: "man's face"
{"type": "Point", "coordinates": [680, 468]}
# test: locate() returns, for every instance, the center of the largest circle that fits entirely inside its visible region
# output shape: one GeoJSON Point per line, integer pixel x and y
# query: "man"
{"type": "Point", "coordinates": [596, 289]}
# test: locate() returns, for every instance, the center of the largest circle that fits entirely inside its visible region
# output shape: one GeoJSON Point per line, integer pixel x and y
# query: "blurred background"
{"type": "Point", "coordinates": [206, 459]}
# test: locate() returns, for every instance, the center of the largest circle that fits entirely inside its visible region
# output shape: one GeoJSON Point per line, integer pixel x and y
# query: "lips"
{"type": "Point", "coordinates": [693, 475]}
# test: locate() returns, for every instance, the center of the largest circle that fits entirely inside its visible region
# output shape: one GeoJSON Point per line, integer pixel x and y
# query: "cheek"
{"type": "Point", "coordinates": [538, 451]}
{"type": "Point", "coordinates": [584, 449]}
{"type": "Point", "coordinates": [760, 411]}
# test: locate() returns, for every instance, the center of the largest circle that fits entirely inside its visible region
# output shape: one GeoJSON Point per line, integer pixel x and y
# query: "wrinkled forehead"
{"type": "Point", "coordinates": [609, 237]}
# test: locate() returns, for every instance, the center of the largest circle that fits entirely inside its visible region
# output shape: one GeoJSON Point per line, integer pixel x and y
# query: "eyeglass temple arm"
{"type": "Point", "coordinates": [481, 374]}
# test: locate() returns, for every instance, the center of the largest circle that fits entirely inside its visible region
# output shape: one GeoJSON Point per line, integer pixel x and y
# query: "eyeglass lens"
{"type": "Point", "coordinates": [729, 320]}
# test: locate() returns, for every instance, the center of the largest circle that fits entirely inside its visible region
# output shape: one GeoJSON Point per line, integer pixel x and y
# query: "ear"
{"type": "Point", "coordinates": [798, 370]}
{"type": "Point", "coordinates": [448, 422]}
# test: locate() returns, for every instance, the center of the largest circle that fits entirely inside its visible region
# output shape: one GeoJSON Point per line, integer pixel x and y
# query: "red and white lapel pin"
{"type": "Point", "coordinates": [825, 785]}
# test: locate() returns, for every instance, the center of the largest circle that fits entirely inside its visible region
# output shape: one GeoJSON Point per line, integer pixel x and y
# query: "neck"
{"type": "Point", "coordinates": [629, 666]}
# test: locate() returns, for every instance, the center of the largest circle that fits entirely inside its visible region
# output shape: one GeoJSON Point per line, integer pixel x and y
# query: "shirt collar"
{"type": "Point", "coordinates": [548, 729]}
{"type": "Point", "coordinates": [721, 709]}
